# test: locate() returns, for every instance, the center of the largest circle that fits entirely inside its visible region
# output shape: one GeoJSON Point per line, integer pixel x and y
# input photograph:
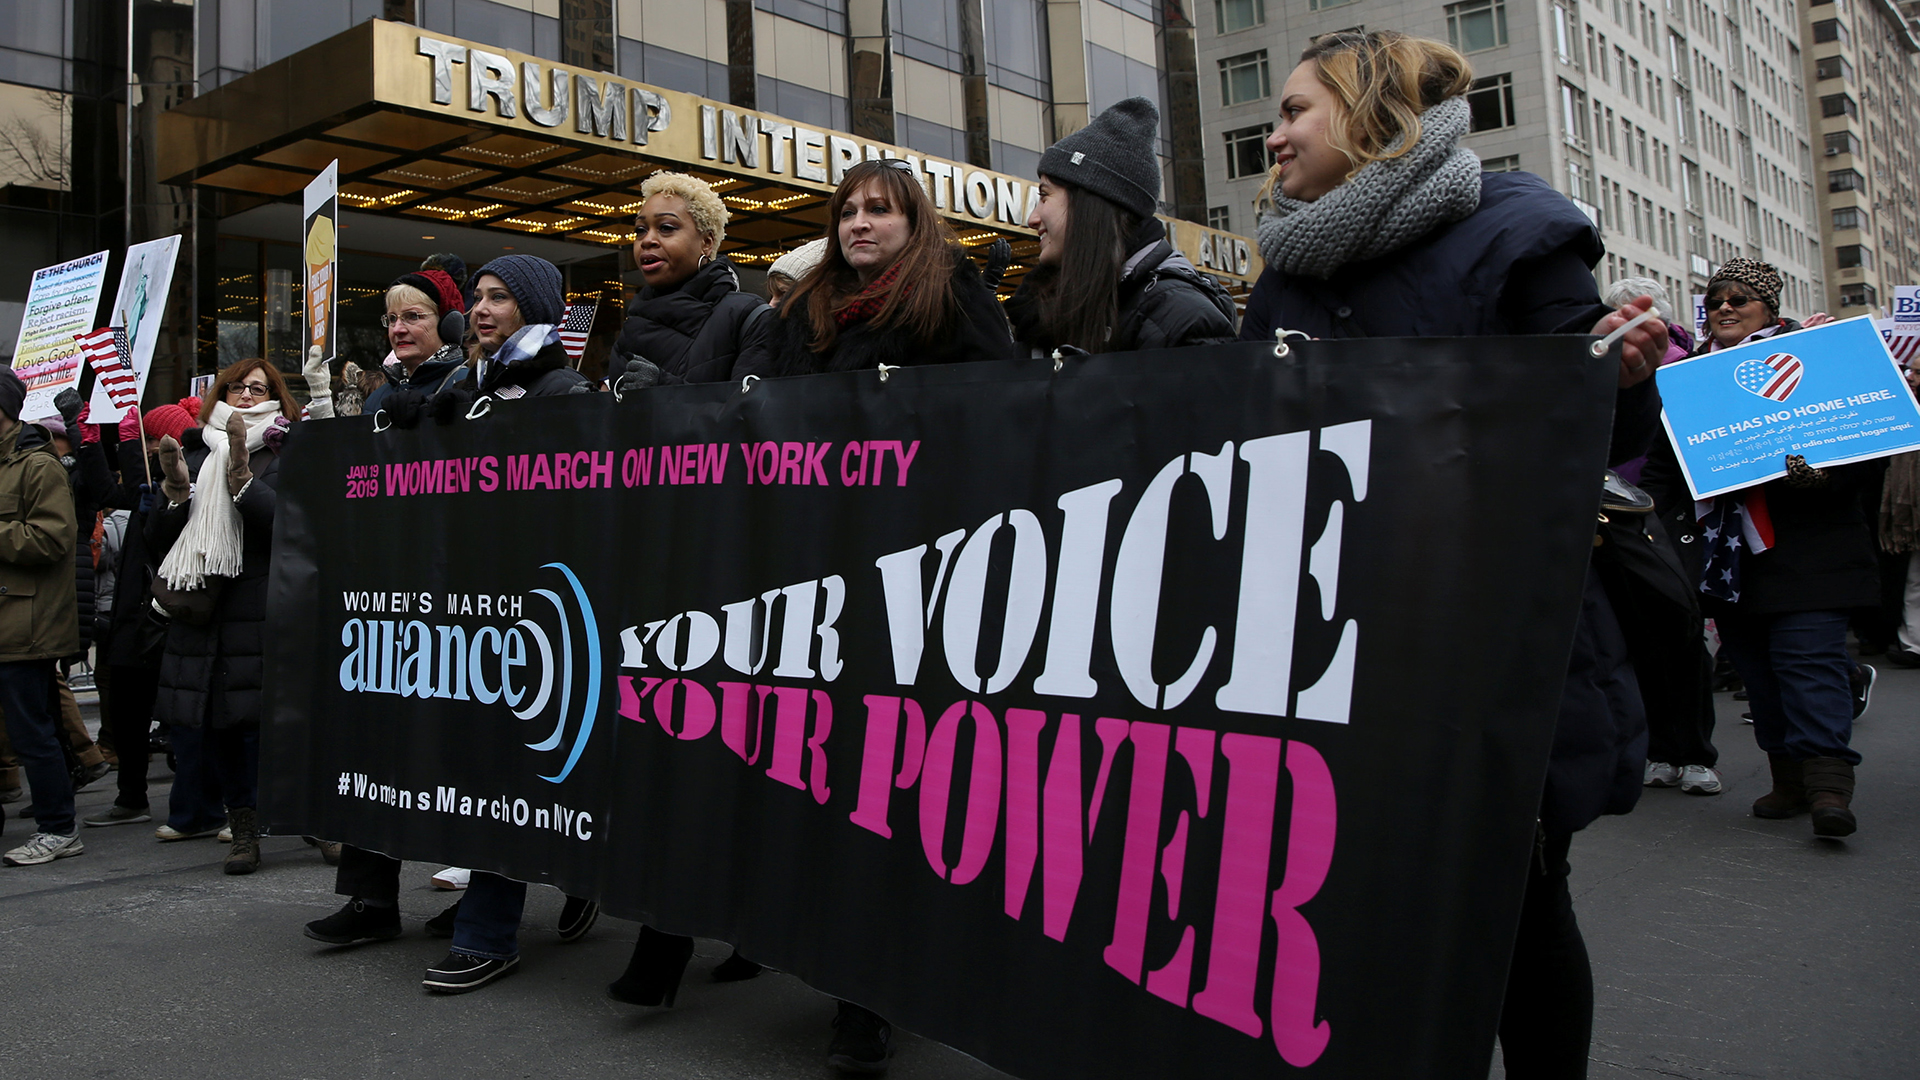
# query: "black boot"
{"type": "Point", "coordinates": [653, 972]}
{"type": "Point", "coordinates": [862, 1041]}
{"type": "Point", "coordinates": [736, 968]}
{"type": "Point", "coordinates": [1789, 794]}
{"type": "Point", "coordinates": [1829, 784]}
{"type": "Point", "coordinates": [244, 856]}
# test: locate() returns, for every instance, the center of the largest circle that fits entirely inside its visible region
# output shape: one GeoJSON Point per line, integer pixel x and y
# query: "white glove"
{"type": "Point", "coordinates": [319, 380]}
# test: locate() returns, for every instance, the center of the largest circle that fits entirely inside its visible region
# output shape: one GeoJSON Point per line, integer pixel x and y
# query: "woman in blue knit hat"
{"type": "Point", "coordinates": [1106, 278]}
{"type": "Point", "coordinates": [515, 306]}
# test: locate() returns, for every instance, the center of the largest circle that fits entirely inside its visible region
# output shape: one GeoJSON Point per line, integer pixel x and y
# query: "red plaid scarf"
{"type": "Point", "coordinates": [868, 301]}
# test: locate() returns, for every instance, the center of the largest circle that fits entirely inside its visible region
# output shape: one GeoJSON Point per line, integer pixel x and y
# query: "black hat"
{"type": "Point", "coordinates": [1115, 157]}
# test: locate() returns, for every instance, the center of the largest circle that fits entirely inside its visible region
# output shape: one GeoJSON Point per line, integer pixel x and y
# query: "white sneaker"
{"type": "Point", "coordinates": [453, 877]}
{"type": "Point", "coordinates": [1700, 780]}
{"type": "Point", "coordinates": [226, 835]}
{"type": "Point", "coordinates": [1661, 774]}
{"type": "Point", "coordinates": [43, 847]}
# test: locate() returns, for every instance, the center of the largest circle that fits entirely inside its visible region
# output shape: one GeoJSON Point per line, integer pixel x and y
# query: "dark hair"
{"type": "Point", "coordinates": [240, 370]}
{"type": "Point", "coordinates": [1078, 300]}
{"type": "Point", "coordinates": [918, 299]}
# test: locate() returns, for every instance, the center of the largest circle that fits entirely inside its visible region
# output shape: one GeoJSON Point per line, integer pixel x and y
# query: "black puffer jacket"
{"type": "Point", "coordinates": [1164, 304]}
{"type": "Point", "coordinates": [214, 674]}
{"type": "Point", "coordinates": [693, 332]}
{"type": "Point", "coordinates": [779, 345]}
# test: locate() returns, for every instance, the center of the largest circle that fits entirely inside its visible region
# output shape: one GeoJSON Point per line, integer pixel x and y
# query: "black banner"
{"type": "Point", "coordinates": [1173, 714]}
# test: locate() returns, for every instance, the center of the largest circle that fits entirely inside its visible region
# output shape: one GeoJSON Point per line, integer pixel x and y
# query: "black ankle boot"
{"type": "Point", "coordinates": [653, 973]}
{"type": "Point", "coordinates": [736, 968]}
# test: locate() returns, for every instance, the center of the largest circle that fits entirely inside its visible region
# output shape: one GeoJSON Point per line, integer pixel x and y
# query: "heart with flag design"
{"type": "Point", "coordinates": [1774, 378]}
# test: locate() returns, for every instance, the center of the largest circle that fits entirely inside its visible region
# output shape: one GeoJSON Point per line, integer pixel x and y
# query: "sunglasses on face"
{"type": "Point", "coordinates": [1735, 302]}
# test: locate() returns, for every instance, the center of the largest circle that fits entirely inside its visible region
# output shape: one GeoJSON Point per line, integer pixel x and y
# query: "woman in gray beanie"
{"type": "Point", "coordinates": [1107, 279]}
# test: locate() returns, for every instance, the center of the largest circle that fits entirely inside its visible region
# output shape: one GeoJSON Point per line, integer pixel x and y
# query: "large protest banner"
{"type": "Point", "coordinates": [1174, 714]}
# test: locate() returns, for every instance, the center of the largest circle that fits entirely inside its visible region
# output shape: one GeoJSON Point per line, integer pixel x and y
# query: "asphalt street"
{"type": "Point", "coordinates": [1723, 946]}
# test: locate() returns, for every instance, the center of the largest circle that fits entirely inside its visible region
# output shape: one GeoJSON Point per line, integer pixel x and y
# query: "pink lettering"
{"type": "Point", "coordinates": [689, 459]}
{"type": "Point", "coordinates": [906, 459]}
{"type": "Point", "coordinates": [767, 462]}
{"type": "Point", "coordinates": [791, 742]}
{"type": "Point", "coordinates": [982, 820]}
{"type": "Point", "coordinates": [696, 703]}
{"type": "Point", "coordinates": [713, 463]}
{"type": "Point", "coordinates": [791, 454]}
{"type": "Point", "coordinates": [877, 777]}
{"type": "Point", "coordinates": [1246, 847]}
{"type": "Point", "coordinates": [1296, 966]}
{"type": "Point", "coordinates": [849, 476]}
{"type": "Point", "coordinates": [489, 473]}
{"type": "Point", "coordinates": [736, 699]}
{"type": "Point", "coordinates": [1126, 953]}
{"type": "Point", "coordinates": [542, 473]}
{"type": "Point", "coordinates": [669, 465]}
{"type": "Point", "coordinates": [815, 463]}
{"type": "Point", "coordinates": [630, 698]}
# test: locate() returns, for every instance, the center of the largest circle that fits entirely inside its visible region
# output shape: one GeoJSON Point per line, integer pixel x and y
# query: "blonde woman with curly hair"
{"type": "Point", "coordinates": [686, 323]}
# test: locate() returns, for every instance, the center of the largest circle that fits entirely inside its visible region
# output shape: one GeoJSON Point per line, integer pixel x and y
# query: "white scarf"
{"type": "Point", "coordinates": [213, 543]}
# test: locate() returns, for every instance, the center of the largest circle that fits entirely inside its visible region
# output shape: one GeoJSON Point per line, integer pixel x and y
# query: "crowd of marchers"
{"type": "Point", "coordinates": [146, 547]}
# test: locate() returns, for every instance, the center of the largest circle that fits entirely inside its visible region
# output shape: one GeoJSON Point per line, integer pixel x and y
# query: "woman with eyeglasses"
{"type": "Point", "coordinates": [1780, 566]}
{"type": "Point", "coordinates": [688, 320]}
{"type": "Point", "coordinates": [425, 320]}
{"type": "Point", "coordinates": [1378, 223]}
{"type": "Point", "coordinates": [213, 537]}
{"type": "Point", "coordinates": [894, 287]}
{"type": "Point", "coordinates": [1106, 278]}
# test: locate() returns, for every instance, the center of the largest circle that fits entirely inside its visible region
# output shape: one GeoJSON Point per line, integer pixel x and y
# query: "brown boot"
{"type": "Point", "coordinates": [1829, 792]}
{"type": "Point", "coordinates": [244, 857]}
{"type": "Point", "coordinates": [1788, 797]}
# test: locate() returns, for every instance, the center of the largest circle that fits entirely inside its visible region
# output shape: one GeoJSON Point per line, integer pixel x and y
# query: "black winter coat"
{"type": "Point", "coordinates": [446, 367]}
{"type": "Point", "coordinates": [779, 344]}
{"type": "Point", "coordinates": [1520, 264]}
{"type": "Point", "coordinates": [1164, 304]}
{"type": "Point", "coordinates": [693, 332]}
{"type": "Point", "coordinates": [544, 374]}
{"type": "Point", "coordinates": [214, 674]}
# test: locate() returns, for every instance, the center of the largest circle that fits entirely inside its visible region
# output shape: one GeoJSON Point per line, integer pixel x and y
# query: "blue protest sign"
{"type": "Point", "coordinates": [1832, 394]}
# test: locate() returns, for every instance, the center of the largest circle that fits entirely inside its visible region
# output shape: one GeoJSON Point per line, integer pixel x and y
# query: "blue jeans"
{"type": "Point", "coordinates": [215, 771]}
{"type": "Point", "coordinates": [26, 696]}
{"type": "Point", "coordinates": [1796, 669]}
{"type": "Point", "coordinates": [488, 925]}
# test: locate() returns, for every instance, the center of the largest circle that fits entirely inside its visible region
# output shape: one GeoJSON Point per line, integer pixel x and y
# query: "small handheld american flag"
{"type": "Point", "coordinates": [106, 350]}
{"type": "Point", "coordinates": [574, 328]}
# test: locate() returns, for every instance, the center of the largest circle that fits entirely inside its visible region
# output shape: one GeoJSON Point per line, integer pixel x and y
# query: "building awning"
{"type": "Point", "coordinates": [439, 129]}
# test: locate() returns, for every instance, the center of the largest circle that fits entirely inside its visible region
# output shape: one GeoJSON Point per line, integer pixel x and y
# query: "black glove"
{"type": "Point", "coordinates": [453, 403]}
{"type": "Point", "coordinates": [403, 407]}
{"type": "Point", "coordinates": [67, 404]}
{"type": "Point", "coordinates": [640, 374]}
{"type": "Point", "coordinates": [999, 255]}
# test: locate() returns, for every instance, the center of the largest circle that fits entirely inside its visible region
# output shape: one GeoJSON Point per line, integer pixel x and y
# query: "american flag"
{"type": "Point", "coordinates": [106, 350]}
{"type": "Point", "coordinates": [1773, 378]}
{"type": "Point", "coordinates": [574, 328]}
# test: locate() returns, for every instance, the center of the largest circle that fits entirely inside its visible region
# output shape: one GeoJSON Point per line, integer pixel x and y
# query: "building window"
{"type": "Point", "coordinates": [1852, 256]}
{"type": "Point", "coordinates": [1322, 5]}
{"type": "Point", "coordinates": [1477, 24]}
{"type": "Point", "coordinates": [1233, 15]}
{"type": "Point", "coordinates": [1839, 105]}
{"type": "Point", "coordinates": [1219, 217]}
{"type": "Point", "coordinates": [1842, 142]}
{"type": "Point", "coordinates": [1510, 163]}
{"type": "Point", "coordinates": [1246, 152]}
{"type": "Point", "coordinates": [1833, 67]}
{"type": "Point", "coordinates": [1491, 102]}
{"type": "Point", "coordinates": [1846, 217]}
{"type": "Point", "coordinates": [1858, 296]}
{"type": "Point", "coordinates": [1245, 78]}
{"type": "Point", "coordinates": [1845, 180]}
{"type": "Point", "coordinates": [1830, 30]}
{"type": "Point", "coordinates": [1564, 45]}
{"type": "Point", "coordinates": [1573, 115]}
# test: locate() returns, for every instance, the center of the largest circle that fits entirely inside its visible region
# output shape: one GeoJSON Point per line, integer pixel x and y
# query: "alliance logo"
{"type": "Point", "coordinates": [494, 654]}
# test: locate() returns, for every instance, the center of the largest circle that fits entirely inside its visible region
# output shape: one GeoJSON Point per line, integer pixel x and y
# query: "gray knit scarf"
{"type": "Point", "coordinates": [1386, 205]}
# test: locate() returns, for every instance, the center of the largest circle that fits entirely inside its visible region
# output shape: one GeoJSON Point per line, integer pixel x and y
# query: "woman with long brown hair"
{"type": "Point", "coordinates": [214, 539]}
{"type": "Point", "coordinates": [894, 287]}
